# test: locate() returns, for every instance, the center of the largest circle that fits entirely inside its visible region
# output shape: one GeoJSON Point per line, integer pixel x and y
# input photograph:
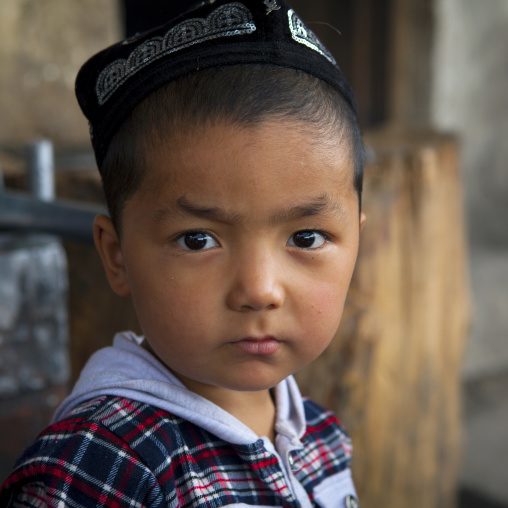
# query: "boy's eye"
{"type": "Point", "coordinates": [196, 240]}
{"type": "Point", "coordinates": [307, 239]}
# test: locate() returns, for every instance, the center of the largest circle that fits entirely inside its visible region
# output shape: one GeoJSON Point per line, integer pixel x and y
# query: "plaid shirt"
{"type": "Point", "coordinates": [116, 452]}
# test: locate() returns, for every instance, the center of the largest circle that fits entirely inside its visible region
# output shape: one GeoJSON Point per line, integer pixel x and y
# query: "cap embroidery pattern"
{"type": "Point", "coordinates": [303, 35]}
{"type": "Point", "coordinates": [226, 21]}
{"type": "Point", "coordinates": [271, 5]}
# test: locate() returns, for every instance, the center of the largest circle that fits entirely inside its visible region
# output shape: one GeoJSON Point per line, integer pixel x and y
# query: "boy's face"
{"type": "Point", "coordinates": [238, 251]}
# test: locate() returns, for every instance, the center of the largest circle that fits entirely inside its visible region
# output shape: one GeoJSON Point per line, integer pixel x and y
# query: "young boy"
{"type": "Point", "coordinates": [231, 159]}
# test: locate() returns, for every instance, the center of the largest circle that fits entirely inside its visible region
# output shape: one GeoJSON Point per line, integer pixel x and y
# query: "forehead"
{"type": "Point", "coordinates": [252, 173]}
{"type": "Point", "coordinates": [265, 153]}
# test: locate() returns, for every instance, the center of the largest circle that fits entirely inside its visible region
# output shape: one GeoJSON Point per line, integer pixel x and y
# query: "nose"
{"type": "Point", "coordinates": [256, 283]}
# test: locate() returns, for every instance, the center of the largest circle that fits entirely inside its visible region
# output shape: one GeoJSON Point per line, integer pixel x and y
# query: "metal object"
{"type": "Point", "coordinates": [40, 212]}
{"type": "Point", "coordinates": [72, 220]}
{"type": "Point", "coordinates": [352, 502]}
{"type": "Point", "coordinates": [41, 170]}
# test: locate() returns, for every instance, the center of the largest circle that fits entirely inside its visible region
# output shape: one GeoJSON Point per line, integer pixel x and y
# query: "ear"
{"type": "Point", "coordinates": [108, 247]}
{"type": "Point", "coordinates": [363, 218]}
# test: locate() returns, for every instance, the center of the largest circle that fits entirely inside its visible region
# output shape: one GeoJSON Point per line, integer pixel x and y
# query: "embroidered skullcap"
{"type": "Point", "coordinates": [215, 33]}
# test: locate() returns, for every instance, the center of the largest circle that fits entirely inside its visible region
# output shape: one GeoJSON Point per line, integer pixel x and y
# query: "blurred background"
{"type": "Point", "coordinates": [431, 79]}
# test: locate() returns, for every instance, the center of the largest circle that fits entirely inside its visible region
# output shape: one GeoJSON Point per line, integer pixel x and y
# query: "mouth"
{"type": "Point", "coordinates": [263, 346]}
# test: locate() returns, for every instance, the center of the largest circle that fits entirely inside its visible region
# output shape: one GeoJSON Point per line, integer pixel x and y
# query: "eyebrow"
{"type": "Point", "coordinates": [322, 205]}
{"type": "Point", "coordinates": [185, 207]}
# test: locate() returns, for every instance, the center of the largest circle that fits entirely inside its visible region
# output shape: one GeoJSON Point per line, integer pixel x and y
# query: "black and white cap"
{"type": "Point", "coordinates": [212, 33]}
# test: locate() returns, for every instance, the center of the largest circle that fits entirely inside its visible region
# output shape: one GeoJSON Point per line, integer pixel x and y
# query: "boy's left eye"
{"type": "Point", "coordinates": [307, 239]}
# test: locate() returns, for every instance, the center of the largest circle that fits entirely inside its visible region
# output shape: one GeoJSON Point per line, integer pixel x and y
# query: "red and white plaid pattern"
{"type": "Point", "coordinates": [115, 452]}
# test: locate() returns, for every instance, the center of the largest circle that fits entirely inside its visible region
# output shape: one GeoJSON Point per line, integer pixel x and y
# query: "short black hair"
{"type": "Point", "coordinates": [243, 95]}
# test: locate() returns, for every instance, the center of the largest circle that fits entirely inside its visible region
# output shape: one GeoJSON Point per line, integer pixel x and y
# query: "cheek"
{"type": "Point", "coordinates": [320, 320]}
{"type": "Point", "coordinates": [173, 305]}
{"type": "Point", "coordinates": [326, 303]}
{"type": "Point", "coordinates": [329, 295]}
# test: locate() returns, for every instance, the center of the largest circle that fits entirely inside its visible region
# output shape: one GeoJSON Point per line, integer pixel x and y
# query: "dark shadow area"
{"type": "Point", "coordinates": [472, 499]}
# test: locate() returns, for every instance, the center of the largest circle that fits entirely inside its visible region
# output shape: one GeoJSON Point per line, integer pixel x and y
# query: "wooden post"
{"type": "Point", "coordinates": [392, 371]}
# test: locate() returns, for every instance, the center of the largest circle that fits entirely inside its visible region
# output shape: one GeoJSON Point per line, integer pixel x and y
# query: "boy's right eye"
{"type": "Point", "coordinates": [196, 240]}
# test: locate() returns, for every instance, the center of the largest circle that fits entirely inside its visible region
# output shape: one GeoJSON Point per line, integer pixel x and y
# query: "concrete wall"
{"type": "Point", "coordinates": [470, 97]}
{"type": "Point", "coordinates": [42, 46]}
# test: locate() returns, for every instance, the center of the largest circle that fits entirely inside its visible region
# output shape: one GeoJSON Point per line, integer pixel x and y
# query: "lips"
{"type": "Point", "coordinates": [264, 346]}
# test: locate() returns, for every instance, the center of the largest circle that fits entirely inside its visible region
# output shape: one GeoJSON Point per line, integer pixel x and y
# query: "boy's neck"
{"type": "Point", "coordinates": [256, 409]}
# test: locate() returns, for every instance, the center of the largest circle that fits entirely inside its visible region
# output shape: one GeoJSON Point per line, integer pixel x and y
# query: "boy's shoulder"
{"type": "Point", "coordinates": [115, 425]}
{"type": "Point", "coordinates": [86, 456]}
{"type": "Point", "coordinates": [327, 447]}
{"type": "Point", "coordinates": [315, 413]}
{"type": "Point", "coordinates": [321, 421]}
